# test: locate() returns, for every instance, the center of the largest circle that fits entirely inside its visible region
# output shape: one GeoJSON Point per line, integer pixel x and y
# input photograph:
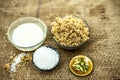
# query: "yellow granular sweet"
{"type": "Point", "coordinates": [28, 57]}
{"type": "Point", "coordinates": [16, 60]}
{"type": "Point", "coordinates": [7, 66]}
{"type": "Point", "coordinates": [69, 31]}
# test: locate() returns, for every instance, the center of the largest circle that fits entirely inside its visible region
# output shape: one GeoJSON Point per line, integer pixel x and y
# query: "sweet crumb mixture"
{"type": "Point", "coordinates": [12, 66]}
{"type": "Point", "coordinates": [69, 31]}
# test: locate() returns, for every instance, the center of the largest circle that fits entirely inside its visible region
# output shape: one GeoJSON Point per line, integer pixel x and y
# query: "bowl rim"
{"type": "Point", "coordinates": [78, 56]}
{"type": "Point", "coordinates": [23, 18]}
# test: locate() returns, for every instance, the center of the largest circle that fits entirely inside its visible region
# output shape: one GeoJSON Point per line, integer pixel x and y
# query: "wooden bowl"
{"type": "Point", "coordinates": [80, 44]}
{"type": "Point", "coordinates": [79, 73]}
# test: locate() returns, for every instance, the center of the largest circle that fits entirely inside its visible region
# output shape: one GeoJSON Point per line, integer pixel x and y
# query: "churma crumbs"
{"type": "Point", "coordinates": [70, 31]}
{"type": "Point", "coordinates": [16, 60]}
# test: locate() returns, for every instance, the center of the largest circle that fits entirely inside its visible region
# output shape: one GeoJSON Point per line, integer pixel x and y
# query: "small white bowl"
{"type": "Point", "coordinates": [20, 21]}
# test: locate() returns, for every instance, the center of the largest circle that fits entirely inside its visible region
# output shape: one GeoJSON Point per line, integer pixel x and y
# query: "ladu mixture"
{"type": "Point", "coordinates": [70, 31]}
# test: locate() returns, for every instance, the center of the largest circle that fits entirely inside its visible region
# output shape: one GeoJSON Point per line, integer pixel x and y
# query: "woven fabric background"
{"type": "Point", "coordinates": [103, 17]}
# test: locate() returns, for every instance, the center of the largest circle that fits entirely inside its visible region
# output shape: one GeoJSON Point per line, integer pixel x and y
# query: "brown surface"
{"type": "Point", "coordinates": [103, 48]}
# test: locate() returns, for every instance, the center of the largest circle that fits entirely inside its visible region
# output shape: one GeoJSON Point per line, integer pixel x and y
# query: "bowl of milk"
{"type": "Point", "coordinates": [27, 34]}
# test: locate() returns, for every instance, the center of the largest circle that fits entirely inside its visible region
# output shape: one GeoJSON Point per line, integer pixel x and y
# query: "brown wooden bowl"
{"type": "Point", "coordinates": [74, 47]}
{"type": "Point", "coordinates": [79, 73]}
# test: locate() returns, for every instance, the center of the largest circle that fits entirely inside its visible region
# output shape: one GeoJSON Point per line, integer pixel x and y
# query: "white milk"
{"type": "Point", "coordinates": [27, 34]}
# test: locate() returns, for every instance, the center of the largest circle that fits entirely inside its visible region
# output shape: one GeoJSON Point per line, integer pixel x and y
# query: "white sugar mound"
{"type": "Point", "coordinates": [45, 58]}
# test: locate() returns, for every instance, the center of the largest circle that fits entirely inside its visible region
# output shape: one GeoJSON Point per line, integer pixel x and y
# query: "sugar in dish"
{"type": "Point", "coordinates": [46, 58]}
